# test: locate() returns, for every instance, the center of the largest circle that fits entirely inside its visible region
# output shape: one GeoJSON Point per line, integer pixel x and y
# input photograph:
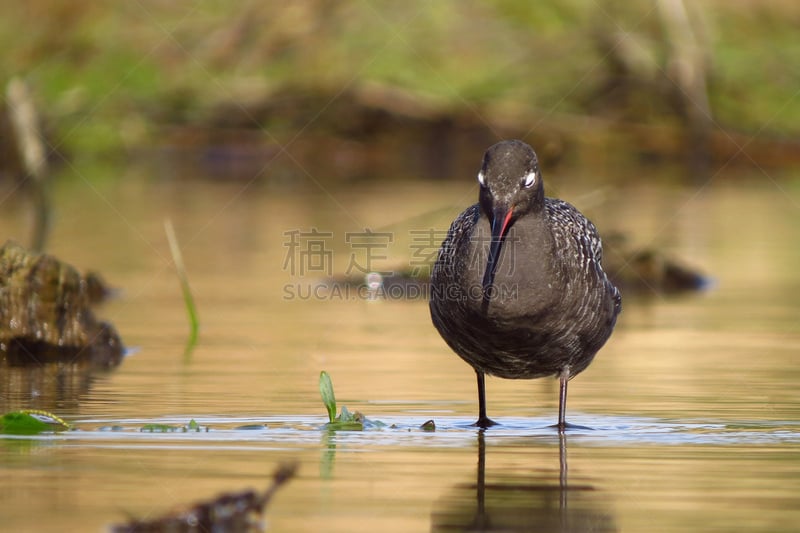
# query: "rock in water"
{"type": "Point", "coordinates": [45, 314]}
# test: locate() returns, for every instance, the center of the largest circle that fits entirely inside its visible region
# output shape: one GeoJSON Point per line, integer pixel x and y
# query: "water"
{"type": "Point", "coordinates": [693, 405]}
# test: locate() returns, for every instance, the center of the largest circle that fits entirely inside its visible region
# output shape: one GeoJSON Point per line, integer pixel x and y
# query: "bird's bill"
{"type": "Point", "coordinates": [501, 219]}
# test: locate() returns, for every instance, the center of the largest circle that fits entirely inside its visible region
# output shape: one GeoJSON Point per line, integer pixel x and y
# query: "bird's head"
{"type": "Point", "coordinates": [511, 187]}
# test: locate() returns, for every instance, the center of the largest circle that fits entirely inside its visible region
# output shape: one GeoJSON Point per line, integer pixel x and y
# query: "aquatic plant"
{"type": "Point", "coordinates": [346, 420]}
{"type": "Point", "coordinates": [30, 422]}
{"type": "Point", "coordinates": [188, 299]}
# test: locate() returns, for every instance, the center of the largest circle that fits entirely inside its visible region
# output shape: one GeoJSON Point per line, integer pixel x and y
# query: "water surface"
{"type": "Point", "coordinates": [693, 404]}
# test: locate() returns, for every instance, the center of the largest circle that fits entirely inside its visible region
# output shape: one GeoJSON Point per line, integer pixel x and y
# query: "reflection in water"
{"type": "Point", "coordinates": [54, 386]}
{"type": "Point", "coordinates": [512, 502]}
{"type": "Point", "coordinates": [328, 454]}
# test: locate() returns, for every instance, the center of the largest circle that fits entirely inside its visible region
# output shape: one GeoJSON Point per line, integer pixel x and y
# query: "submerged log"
{"type": "Point", "coordinates": [231, 511]}
{"type": "Point", "coordinates": [45, 314]}
{"type": "Point", "coordinates": [649, 271]}
{"type": "Point", "coordinates": [640, 272]}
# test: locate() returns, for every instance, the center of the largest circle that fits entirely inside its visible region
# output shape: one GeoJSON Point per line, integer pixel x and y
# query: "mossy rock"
{"type": "Point", "coordinates": [45, 313]}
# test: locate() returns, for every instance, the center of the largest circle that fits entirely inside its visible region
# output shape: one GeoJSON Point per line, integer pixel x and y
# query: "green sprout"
{"type": "Point", "coordinates": [346, 420]}
{"type": "Point", "coordinates": [328, 398]}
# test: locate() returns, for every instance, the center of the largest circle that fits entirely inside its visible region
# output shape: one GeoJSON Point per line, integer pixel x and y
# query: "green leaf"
{"type": "Point", "coordinates": [192, 426]}
{"type": "Point", "coordinates": [328, 398]}
{"type": "Point", "coordinates": [30, 422]}
{"type": "Point", "coordinates": [252, 427]}
{"type": "Point", "coordinates": [345, 426]}
{"type": "Point", "coordinates": [159, 428]}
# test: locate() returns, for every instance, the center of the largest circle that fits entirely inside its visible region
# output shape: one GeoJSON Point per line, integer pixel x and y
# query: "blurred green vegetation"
{"type": "Point", "coordinates": [109, 74]}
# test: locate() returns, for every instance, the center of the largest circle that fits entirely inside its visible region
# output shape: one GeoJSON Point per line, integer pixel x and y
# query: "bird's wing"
{"type": "Point", "coordinates": [578, 230]}
{"type": "Point", "coordinates": [459, 234]}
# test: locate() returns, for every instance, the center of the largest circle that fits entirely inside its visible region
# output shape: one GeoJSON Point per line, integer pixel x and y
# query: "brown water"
{"type": "Point", "coordinates": [693, 404]}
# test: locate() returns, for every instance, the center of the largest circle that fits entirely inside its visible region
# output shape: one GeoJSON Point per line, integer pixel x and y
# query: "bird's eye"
{"type": "Point", "coordinates": [530, 179]}
{"type": "Point", "coordinates": [481, 178]}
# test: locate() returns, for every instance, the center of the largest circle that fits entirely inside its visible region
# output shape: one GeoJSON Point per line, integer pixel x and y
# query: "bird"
{"type": "Point", "coordinates": [517, 289]}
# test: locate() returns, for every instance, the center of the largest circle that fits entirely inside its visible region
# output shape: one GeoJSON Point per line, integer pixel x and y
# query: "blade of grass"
{"type": "Point", "coordinates": [326, 391]}
{"type": "Point", "coordinates": [191, 309]}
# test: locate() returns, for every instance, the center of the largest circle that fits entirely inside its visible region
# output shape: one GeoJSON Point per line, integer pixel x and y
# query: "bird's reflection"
{"type": "Point", "coordinates": [542, 501]}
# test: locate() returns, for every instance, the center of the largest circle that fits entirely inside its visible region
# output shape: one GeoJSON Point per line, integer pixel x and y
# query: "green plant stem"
{"type": "Point", "coordinates": [191, 309]}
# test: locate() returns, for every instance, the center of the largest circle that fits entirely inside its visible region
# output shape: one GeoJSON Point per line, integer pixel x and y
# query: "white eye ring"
{"type": "Point", "coordinates": [530, 178]}
{"type": "Point", "coordinates": [481, 178]}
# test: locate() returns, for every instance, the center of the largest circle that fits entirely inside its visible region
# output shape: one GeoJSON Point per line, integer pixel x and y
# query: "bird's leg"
{"type": "Point", "coordinates": [563, 380]}
{"type": "Point", "coordinates": [562, 426]}
{"type": "Point", "coordinates": [483, 420]}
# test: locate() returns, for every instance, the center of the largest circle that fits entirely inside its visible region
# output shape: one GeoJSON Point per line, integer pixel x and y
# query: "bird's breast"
{"type": "Point", "coordinates": [526, 280]}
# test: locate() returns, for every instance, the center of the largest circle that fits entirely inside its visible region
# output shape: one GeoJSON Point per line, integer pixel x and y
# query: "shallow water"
{"type": "Point", "coordinates": [693, 405]}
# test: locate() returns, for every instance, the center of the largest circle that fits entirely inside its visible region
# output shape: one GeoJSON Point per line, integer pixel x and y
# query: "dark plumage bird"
{"type": "Point", "coordinates": [518, 290]}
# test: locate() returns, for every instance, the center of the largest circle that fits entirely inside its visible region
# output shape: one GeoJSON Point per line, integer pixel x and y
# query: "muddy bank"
{"type": "Point", "coordinates": [374, 131]}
